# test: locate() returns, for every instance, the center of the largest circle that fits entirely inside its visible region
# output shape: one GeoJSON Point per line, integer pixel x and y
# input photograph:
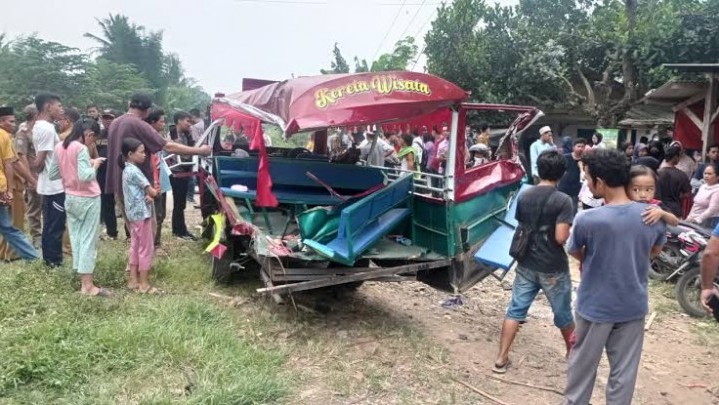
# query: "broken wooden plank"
{"type": "Point", "coordinates": [368, 275]}
{"type": "Point", "coordinates": [650, 321]}
{"type": "Point", "coordinates": [480, 392]}
{"type": "Point", "coordinates": [538, 387]}
{"type": "Point", "coordinates": [268, 283]}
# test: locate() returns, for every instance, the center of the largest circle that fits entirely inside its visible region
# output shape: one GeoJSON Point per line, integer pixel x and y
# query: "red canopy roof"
{"type": "Point", "coordinates": [317, 102]}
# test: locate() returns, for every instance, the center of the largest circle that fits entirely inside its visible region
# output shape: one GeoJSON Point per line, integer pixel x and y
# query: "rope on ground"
{"type": "Point", "coordinates": [539, 387]}
{"type": "Point", "coordinates": [480, 392]}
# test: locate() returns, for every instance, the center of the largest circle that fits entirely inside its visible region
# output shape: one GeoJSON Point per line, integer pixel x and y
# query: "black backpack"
{"type": "Point", "coordinates": [524, 235]}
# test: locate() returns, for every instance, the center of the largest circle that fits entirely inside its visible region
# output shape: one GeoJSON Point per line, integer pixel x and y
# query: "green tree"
{"type": "Point", "coordinates": [186, 98]}
{"type": "Point", "coordinates": [124, 42]}
{"type": "Point", "coordinates": [29, 65]}
{"type": "Point", "coordinates": [338, 64]}
{"type": "Point", "coordinates": [111, 84]}
{"type": "Point", "coordinates": [600, 56]}
{"type": "Point", "coordinates": [405, 50]}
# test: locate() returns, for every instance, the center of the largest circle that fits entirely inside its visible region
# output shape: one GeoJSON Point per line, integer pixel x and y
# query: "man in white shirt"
{"type": "Point", "coordinates": [45, 138]}
{"type": "Point", "coordinates": [540, 145]}
{"type": "Point", "coordinates": [374, 156]}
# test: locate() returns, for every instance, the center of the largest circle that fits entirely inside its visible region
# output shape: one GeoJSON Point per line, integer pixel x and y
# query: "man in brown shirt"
{"type": "Point", "coordinates": [132, 125]}
{"type": "Point", "coordinates": [26, 154]}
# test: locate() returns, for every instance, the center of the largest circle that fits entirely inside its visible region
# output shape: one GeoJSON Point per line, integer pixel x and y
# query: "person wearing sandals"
{"type": "Point", "coordinates": [549, 214]}
{"type": "Point", "coordinates": [138, 195]}
{"type": "Point", "coordinates": [71, 163]}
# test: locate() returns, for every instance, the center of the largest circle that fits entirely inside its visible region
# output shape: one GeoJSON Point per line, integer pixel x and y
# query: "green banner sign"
{"type": "Point", "coordinates": [609, 137]}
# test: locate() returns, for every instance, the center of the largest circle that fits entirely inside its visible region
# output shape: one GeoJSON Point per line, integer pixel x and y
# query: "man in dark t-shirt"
{"type": "Point", "coordinates": [571, 184]}
{"type": "Point", "coordinates": [673, 183]}
{"type": "Point", "coordinates": [548, 213]}
{"type": "Point", "coordinates": [107, 202]}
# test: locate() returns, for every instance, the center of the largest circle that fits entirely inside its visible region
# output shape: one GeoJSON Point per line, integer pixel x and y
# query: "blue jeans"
{"type": "Point", "coordinates": [53, 226]}
{"type": "Point", "coordinates": [14, 237]}
{"type": "Point", "coordinates": [557, 288]}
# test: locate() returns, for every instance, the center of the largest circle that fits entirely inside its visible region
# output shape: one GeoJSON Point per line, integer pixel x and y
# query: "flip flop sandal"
{"type": "Point", "coordinates": [501, 368]}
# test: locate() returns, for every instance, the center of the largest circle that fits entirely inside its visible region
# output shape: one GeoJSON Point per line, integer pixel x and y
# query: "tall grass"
{"type": "Point", "coordinates": [57, 346]}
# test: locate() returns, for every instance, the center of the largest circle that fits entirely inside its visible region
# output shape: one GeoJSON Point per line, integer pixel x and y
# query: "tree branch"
{"type": "Point", "coordinates": [591, 99]}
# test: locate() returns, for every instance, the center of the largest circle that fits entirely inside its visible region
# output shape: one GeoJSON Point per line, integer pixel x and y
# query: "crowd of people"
{"type": "Point", "coordinates": [628, 196]}
{"type": "Point", "coordinates": [419, 150]}
{"type": "Point", "coordinates": [69, 172]}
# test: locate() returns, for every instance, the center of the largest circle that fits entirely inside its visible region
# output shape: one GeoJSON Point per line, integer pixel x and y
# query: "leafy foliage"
{"type": "Point", "coordinates": [130, 60]}
{"type": "Point", "coordinates": [405, 50]}
{"type": "Point", "coordinates": [597, 55]}
{"type": "Point", "coordinates": [338, 64]}
{"type": "Point", "coordinates": [29, 65]}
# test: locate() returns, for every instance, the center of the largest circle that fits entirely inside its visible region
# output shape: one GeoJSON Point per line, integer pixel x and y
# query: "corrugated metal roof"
{"type": "Point", "coordinates": [647, 115]}
{"type": "Point", "coordinates": [675, 91]}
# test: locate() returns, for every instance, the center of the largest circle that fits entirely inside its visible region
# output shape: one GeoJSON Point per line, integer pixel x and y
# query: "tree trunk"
{"type": "Point", "coordinates": [629, 71]}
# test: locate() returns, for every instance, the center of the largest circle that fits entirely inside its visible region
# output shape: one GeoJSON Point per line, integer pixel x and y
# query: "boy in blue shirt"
{"type": "Point", "coordinates": [615, 246]}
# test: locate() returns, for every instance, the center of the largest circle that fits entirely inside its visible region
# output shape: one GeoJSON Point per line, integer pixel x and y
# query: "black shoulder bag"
{"type": "Point", "coordinates": [523, 235]}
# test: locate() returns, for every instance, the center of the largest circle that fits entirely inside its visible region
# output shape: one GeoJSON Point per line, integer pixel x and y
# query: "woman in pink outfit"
{"type": "Point", "coordinates": [706, 203]}
{"type": "Point", "coordinates": [71, 163]}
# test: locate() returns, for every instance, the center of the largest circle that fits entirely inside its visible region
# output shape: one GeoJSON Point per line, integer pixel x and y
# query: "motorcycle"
{"type": "Point", "coordinates": [681, 251]}
{"type": "Point", "coordinates": [688, 288]}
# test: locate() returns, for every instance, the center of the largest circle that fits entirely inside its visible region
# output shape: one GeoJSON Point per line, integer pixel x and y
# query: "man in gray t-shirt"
{"type": "Point", "coordinates": [615, 247]}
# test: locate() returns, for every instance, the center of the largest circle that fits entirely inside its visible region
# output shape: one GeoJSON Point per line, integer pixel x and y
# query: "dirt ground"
{"type": "Point", "coordinates": [399, 345]}
{"type": "Point", "coordinates": [675, 369]}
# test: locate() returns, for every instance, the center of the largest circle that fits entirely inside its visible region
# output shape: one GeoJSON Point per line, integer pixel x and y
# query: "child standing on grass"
{"type": "Point", "coordinates": [138, 196]}
{"type": "Point", "coordinates": [71, 162]}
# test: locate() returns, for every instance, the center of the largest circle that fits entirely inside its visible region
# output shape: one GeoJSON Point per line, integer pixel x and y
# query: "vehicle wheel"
{"type": "Point", "coordinates": [222, 268]}
{"type": "Point", "coordinates": [688, 292]}
{"type": "Point", "coordinates": [665, 263]}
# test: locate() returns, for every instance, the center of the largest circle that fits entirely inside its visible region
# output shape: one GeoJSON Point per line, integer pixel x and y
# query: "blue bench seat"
{"type": "Point", "coordinates": [366, 221]}
{"type": "Point", "coordinates": [341, 251]}
{"type": "Point", "coordinates": [494, 252]}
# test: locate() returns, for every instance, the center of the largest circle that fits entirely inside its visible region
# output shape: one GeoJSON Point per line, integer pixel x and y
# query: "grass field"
{"type": "Point", "coordinates": [201, 343]}
{"type": "Point", "coordinates": [57, 346]}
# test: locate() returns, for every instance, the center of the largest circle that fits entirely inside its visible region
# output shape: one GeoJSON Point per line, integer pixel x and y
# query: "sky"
{"type": "Point", "coordinates": [220, 42]}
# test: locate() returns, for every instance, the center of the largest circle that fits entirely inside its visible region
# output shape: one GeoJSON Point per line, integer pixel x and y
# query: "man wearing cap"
{"type": "Point", "coordinates": [12, 236]}
{"type": "Point", "coordinates": [26, 152]}
{"type": "Point", "coordinates": [107, 201]}
{"type": "Point", "coordinates": [133, 125]}
{"type": "Point", "coordinates": [540, 145]}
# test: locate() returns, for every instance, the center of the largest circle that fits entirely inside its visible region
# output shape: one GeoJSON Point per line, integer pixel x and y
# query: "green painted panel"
{"type": "Point", "coordinates": [431, 226]}
{"type": "Point", "coordinates": [449, 229]}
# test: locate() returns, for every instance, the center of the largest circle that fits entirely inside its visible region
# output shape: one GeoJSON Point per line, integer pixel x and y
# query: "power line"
{"type": "Point", "coordinates": [425, 23]}
{"type": "Point", "coordinates": [419, 55]}
{"type": "Point", "coordinates": [388, 30]}
{"type": "Point", "coordinates": [412, 20]}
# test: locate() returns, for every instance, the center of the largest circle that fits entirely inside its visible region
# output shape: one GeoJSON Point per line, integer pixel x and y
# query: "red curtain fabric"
{"type": "Point", "coordinates": [253, 128]}
{"type": "Point", "coordinates": [689, 134]}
